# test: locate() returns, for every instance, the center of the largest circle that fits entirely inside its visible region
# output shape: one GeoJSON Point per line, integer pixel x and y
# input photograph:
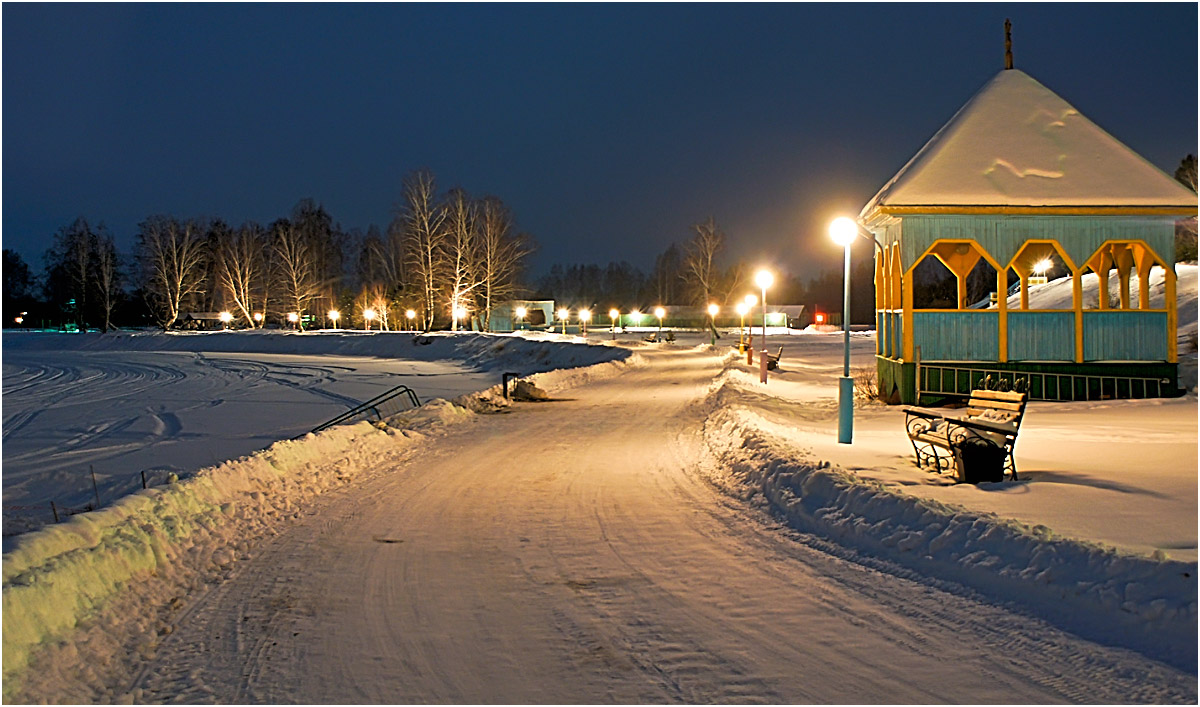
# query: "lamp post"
{"type": "Point", "coordinates": [294, 318]}
{"type": "Point", "coordinates": [750, 301]}
{"type": "Point", "coordinates": [520, 312]}
{"type": "Point", "coordinates": [764, 279]}
{"type": "Point", "coordinates": [635, 316]}
{"type": "Point", "coordinates": [613, 314]}
{"type": "Point", "coordinates": [660, 313]}
{"type": "Point", "coordinates": [843, 231]}
{"type": "Point", "coordinates": [563, 315]}
{"type": "Point", "coordinates": [258, 318]}
{"type": "Point", "coordinates": [585, 316]}
{"type": "Point", "coordinates": [742, 308]}
{"type": "Point", "coordinates": [460, 312]}
{"type": "Point", "coordinates": [712, 321]}
{"type": "Point", "coordinates": [410, 315]}
{"type": "Point", "coordinates": [334, 315]}
{"type": "Point", "coordinates": [225, 318]}
{"type": "Point", "coordinates": [368, 316]}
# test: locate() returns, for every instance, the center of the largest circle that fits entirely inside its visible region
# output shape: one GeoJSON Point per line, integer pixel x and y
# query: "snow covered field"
{"type": "Point", "coordinates": [576, 550]}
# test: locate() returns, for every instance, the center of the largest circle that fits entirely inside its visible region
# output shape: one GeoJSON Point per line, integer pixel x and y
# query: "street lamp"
{"type": "Point", "coordinates": [636, 317]}
{"type": "Point", "coordinates": [660, 313]}
{"type": "Point", "coordinates": [410, 315]}
{"type": "Point", "coordinates": [368, 316]}
{"type": "Point", "coordinates": [764, 279]}
{"type": "Point", "coordinates": [294, 318]}
{"type": "Point", "coordinates": [742, 308]}
{"type": "Point", "coordinates": [520, 312]}
{"type": "Point", "coordinates": [750, 301]}
{"type": "Point", "coordinates": [459, 312]}
{"type": "Point", "coordinates": [334, 315]}
{"type": "Point", "coordinates": [225, 318]}
{"type": "Point", "coordinates": [258, 318]}
{"type": "Point", "coordinates": [563, 315]}
{"type": "Point", "coordinates": [585, 315]}
{"type": "Point", "coordinates": [613, 314]}
{"type": "Point", "coordinates": [712, 321]}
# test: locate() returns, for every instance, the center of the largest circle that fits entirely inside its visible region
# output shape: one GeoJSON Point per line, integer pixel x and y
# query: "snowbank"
{"type": "Point", "coordinates": [110, 578]}
{"type": "Point", "coordinates": [1149, 603]}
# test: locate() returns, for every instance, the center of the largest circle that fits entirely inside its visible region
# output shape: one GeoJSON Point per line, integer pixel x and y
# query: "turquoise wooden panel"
{"type": "Point", "coordinates": [1002, 236]}
{"type": "Point", "coordinates": [1124, 336]}
{"type": "Point", "coordinates": [957, 336]}
{"type": "Point", "coordinates": [897, 334]}
{"type": "Point", "coordinates": [880, 319]}
{"type": "Point", "coordinates": [1041, 336]}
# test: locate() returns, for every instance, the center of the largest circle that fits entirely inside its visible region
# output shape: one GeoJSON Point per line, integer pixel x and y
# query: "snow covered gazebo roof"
{"type": "Point", "coordinates": [1018, 148]}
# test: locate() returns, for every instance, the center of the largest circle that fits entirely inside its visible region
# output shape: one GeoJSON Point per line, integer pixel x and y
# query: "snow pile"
{"type": "Point", "coordinates": [1149, 602]}
{"type": "Point", "coordinates": [112, 577]}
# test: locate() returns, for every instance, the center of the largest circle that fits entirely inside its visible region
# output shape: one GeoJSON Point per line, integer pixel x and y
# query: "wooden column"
{"type": "Point", "coordinates": [1002, 309]}
{"type": "Point", "coordinates": [1077, 298]}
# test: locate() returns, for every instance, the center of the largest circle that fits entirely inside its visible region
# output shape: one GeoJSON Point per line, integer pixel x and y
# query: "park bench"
{"type": "Point", "coordinates": [654, 338]}
{"type": "Point", "coordinates": [773, 359]}
{"type": "Point", "coordinates": [976, 442]}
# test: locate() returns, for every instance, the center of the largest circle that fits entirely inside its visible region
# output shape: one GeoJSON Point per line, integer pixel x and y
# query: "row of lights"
{"type": "Point", "coordinates": [334, 315]}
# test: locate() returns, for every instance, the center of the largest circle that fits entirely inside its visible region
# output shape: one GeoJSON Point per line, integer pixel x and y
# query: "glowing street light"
{"type": "Point", "coordinates": [411, 315]}
{"type": "Point", "coordinates": [613, 314]}
{"type": "Point", "coordinates": [520, 312]}
{"type": "Point", "coordinates": [1043, 266]}
{"type": "Point", "coordinates": [660, 313]}
{"type": "Point", "coordinates": [334, 315]}
{"type": "Point", "coordinates": [585, 315]}
{"type": "Point", "coordinates": [636, 317]}
{"type": "Point", "coordinates": [563, 315]}
{"type": "Point", "coordinates": [843, 230]}
{"type": "Point", "coordinates": [459, 312]}
{"type": "Point", "coordinates": [764, 279]}
{"type": "Point", "coordinates": [742, 308]}
{"type": "Point", "coordinates": [712, 321]}
{"type": "Point", "coordinates": [258, 318]}
{"type": "Point", "coordinates": [225, 318]}
{"type": "Point", "coordinates": [294, 318]}
{"type": "Point", "coordinates": [368, 317]}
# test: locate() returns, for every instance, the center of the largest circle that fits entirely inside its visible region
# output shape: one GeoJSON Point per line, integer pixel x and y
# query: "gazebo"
{"type": "Point", "coordinates": [1018, 181]}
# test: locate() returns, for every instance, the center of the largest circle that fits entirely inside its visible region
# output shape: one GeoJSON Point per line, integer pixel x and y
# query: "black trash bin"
{"type": "Point", "coordinates": [978, 461]}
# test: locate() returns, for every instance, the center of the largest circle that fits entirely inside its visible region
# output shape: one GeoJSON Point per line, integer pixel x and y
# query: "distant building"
{"type": "Point", "coordinates": [538, 314]}
{"type": "Point", "coordinates": [1018, 177]}
{"type": "Point", "coordinates": [201, 321]}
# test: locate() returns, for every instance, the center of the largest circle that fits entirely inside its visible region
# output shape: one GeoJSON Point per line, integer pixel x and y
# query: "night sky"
{"type": "Point", "coordinates": [609, 129]}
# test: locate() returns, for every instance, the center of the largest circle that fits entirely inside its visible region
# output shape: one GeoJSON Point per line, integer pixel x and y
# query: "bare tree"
{"type": "Point", "coordinates": [69, 270]}
{"type": "Point", "coordinates": [298, 284]}
{"type": "Point", "coordinates": [241, 269]}
{"type": "Point", "coordinates": [699, 263]}
{"type": "Point", "coordinates": [171, 256]}
{"type": "Point", "coordinates": [501, 254]}
{"type": "Point", "coordinates": [423, 233]}
{"type": "Point", "coordinates": [461, 250]}
{"type": "Point", "coordinates": [106, 276]}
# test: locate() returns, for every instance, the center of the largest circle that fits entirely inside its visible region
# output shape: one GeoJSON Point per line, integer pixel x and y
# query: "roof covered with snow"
{"type": "Point", "coordinates": [1018, 144]}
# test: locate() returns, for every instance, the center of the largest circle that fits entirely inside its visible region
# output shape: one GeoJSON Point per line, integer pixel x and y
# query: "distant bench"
{"type": "Point", "coordinates": [654, 338]}
{"type": "Point", "coordinates": [975, 442]}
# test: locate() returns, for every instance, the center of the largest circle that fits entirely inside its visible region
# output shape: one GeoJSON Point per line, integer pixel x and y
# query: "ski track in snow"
{"type": "Point", "coordinates": [564, 553]}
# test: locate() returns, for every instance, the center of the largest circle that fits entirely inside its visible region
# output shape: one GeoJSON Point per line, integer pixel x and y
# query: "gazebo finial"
{"type": "Point", "coordinates": [1007, 44]}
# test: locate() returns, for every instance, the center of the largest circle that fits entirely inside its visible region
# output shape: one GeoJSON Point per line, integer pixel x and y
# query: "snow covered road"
{"type": "Point", "coordinates": [570, 552]}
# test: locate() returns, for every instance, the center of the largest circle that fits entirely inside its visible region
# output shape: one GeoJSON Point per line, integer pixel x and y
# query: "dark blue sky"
{"type": "Point", "coordinates": [608, 128]}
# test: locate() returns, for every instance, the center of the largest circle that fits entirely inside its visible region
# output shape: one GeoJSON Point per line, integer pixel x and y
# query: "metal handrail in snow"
{"type": "Point", "coordinates": [375, 405]}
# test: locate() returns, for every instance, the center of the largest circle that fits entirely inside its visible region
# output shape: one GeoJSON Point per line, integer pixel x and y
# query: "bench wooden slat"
{"type": "Point", "coordinates": [1000, 434]}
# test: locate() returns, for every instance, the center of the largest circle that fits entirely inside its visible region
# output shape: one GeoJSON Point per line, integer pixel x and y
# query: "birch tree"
{"type": "Point", "coordinates": [242, 269]}
{"type": "Point", "coordinates": [171, 257]}
{"type": "Point", "coordinates": [699, 262]}
{"type": "Point", "coordinates": [106, 281]}
{"type": "Point", "coordinates": [461, 250]}
{"type": "Point", "coordinates": [500, 257]}
{"type": "Point", "coordinates": [423, 221]}
{"type": "Point", "coordinates": [298, 283]}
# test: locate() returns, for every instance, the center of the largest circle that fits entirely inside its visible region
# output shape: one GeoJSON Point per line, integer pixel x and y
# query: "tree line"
{"type": "Point", "coordinates": [442, 254]}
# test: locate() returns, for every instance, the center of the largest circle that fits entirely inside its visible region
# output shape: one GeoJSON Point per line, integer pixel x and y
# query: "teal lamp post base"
{"type": "Point", "coordinates": [845, 410]}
